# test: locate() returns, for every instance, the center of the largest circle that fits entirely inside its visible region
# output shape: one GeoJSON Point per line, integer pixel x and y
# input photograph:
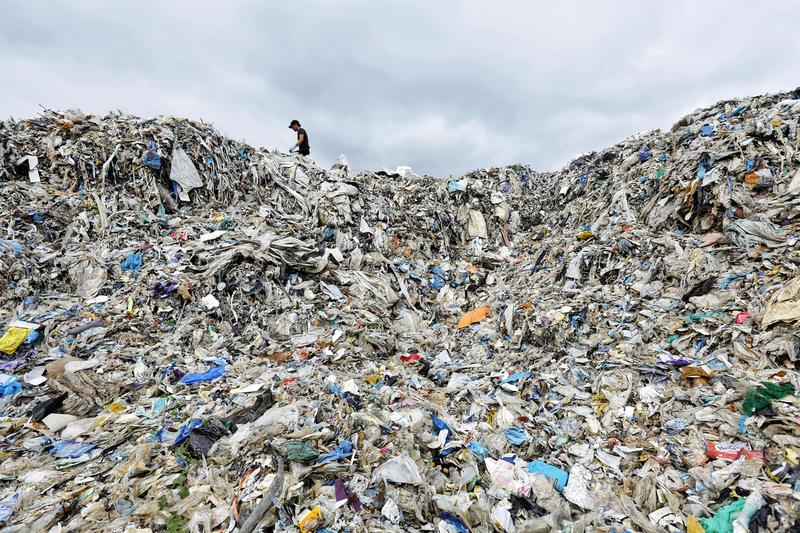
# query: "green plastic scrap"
{"type": "Point", "coordinates": [690, 319]}
{"type": "Point", "coordinates": [722, 522]}
{"type": "Point", "coordinates": [760, 397]}
{"type": "Point", "coordinates": [300, 451]}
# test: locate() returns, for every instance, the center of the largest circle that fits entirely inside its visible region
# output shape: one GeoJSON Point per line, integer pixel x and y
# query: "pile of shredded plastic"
{"type": "Point", "coordinates": [199, 335]}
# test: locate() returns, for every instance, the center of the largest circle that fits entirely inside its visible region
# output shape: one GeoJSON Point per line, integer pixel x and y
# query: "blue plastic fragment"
{"type": "Point", "coordinates": [343, 450]}
{"type": "Point", "coordinates": [454, 521]}
{"type": "Point", "coordinates": [183, 433]}
{"type": "Point", "coordinates": [551, 472]}
{"type": "Point", "coordinates": [352, 400]}
{"type": "Point", "coordinates": [516, 435]}
{"type": "Point", "coordinates": [478, 450]}
{"type": "Point", "coordinates": [516, 377]}
{"type": "Point", "coordinates": [439, 278]}
{"type": "Point", "coordinates": [133, 263]}
{"type": "Point", "coordinates": [707, 130]}
{"type": "Point", "coordinates": [151, 158]}
{"type": "Point", "coordinates": [439, 425]}
{"type": "Point", "coordinates": [32, 337]}
{"type": "Point", "coordinates": [199, 377]}
{"type": "Point", "coordinates": [9, 385]}
{"type": "Point", "coordinates": [16, 248]}
{"type": "Point", "coordinates": [67, 449]}
{"type": "Point", "coordinates": [741, 109]}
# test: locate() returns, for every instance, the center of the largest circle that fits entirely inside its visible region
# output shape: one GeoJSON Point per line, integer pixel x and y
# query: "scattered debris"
{"type": "Point", "coordinates": [612, 346]}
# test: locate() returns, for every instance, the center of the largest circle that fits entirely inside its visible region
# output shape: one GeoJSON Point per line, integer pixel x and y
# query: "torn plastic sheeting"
{"type": "Point", "coordinates": [311, 520]}
{"type": "Point", "coordinates": [342, 495]}
{"type": "Point", "coordinates": [172, 438]}
{"type": "Point", "coordinates": [300, 451]}
{"type": "Point", "coordinates": [478, 450]}
{"type": "Point", "coordinates": [150, 157]}
{"type": "Point", "coordinates": [183, 172]}
{"type": "Point", "coordinates": [15, 247]}
{"type": "Point", "coordinates": [347, 396]}
{"type": "Point", "coordinates": [578, 488]}
{"type": "Point", "coordinates": [733, 452]}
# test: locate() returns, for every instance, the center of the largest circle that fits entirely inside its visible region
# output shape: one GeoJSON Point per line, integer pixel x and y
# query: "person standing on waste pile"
{"type": "Point", "coordinates": [302, 139]}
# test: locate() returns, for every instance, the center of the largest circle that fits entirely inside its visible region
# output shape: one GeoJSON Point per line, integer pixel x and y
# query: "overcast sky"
{"type": "Point", "coordinates": [444, 87]}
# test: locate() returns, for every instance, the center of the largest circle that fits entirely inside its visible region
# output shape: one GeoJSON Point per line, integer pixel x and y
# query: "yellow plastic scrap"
{"type": "Point", "coordinates": [792, 456]}
{"type": "Point", "coordinates": [474, 316]}
{"type": "Point", "coordinates": [693, 525]}
{"type": "Point", "coordinates": [131, 309]}
{"type": "Point", "coordinates": [116, 408]}
{"type": "Point", "coordinates": [12, 339]}
{"type": "Point", "coordinates": [582, 236]}
{"type": "Point", "coordinates": [311, 521]}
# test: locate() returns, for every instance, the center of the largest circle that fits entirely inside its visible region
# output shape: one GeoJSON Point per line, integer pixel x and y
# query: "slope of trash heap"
{"type": "Point", "coordinates": [199, 335]}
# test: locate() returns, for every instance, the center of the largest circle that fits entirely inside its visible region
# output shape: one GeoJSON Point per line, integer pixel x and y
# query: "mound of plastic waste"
{"type": "Point", "coordinates": [199, 335]}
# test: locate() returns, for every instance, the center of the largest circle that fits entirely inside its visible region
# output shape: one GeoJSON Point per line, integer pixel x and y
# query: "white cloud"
{"type": "Point", "coordinates": [442, 86]}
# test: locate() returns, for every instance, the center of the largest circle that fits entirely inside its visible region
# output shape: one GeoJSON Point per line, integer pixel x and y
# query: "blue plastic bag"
{"type": "Point", "coordinates": [200, 377]}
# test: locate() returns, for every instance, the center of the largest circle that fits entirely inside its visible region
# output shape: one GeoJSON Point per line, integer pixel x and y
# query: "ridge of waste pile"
{"type": "Point", "coordinates": [199, 335]}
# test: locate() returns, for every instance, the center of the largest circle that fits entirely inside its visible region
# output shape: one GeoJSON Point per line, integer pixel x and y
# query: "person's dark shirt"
{"type": "Point", "coordinates": [304, 149]}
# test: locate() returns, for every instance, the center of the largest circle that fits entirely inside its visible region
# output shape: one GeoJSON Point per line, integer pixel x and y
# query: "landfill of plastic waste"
{"type": "Point", "coordinates": [198, 335]}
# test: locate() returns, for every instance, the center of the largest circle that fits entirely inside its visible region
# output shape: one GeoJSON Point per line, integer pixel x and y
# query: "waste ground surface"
{"type": "Point", "coordinates": [199, 335]}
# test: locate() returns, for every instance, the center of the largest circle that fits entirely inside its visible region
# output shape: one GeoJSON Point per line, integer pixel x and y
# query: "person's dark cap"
{"type": "Point", "coordinates": [292, 123]}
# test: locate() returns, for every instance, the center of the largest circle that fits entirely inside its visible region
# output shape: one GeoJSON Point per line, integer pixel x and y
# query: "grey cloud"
{"type": "Point", "coordinates": [442, 86]}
